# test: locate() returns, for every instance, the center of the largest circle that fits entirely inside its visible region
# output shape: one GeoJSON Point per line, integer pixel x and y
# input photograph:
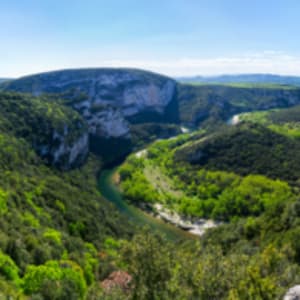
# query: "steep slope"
{"type": "Point", "coordinates": [58, 134]}
{"type": "Point", "coordinates": [108, 99]}
{"type": "Point", "coordinates": [284, 121]}
{"type": "Point", "coordinates": [246, 149]}
{"type": "Point", "coordinates": [52, 222]}
{"type": "Point", "coordinates": [114, 102]}
{"type": "Point", "coordinates": [211, 104]}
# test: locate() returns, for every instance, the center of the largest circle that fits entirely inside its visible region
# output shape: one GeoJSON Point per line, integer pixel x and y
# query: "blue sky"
{"type": "Point", "coordinates": [174, 37]}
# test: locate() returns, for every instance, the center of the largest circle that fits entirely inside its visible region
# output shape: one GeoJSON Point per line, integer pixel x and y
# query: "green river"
{"type": "Point", "coordinates": [110, 191]}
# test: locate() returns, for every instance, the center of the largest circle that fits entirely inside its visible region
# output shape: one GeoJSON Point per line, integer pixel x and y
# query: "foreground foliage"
{"type": "Point", "coordinates": [198, 271]}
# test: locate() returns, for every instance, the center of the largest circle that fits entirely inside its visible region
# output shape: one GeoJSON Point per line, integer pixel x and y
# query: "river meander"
{"type": "Point", "coordinates": [110, 191]}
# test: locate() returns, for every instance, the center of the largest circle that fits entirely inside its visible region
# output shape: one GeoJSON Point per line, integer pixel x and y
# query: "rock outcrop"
{"type": "Point", "coordinates": [109, 100]}
{"type": "Point", "coordinates": [293, 293]}
{"type": "Point", "coordinates": [117, 280]}
{"type": "Point", "coordinates": [106, 98]}
{"type": "Point", "coordinates": [57, 133]}
{"type": "Point", "coordinates": [62, 152]}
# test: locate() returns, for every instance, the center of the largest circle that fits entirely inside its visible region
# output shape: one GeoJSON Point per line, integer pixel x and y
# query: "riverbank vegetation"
{"type": "Point", "coordinates": [212, 178]}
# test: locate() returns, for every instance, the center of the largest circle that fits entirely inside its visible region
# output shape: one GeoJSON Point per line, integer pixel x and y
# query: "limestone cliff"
{"type": "Point", "coordinates": [57, 133]}
{"type": "Point", "coordinates": [63, 152]}
{"type": "Point", "coordinates": [106, 98]}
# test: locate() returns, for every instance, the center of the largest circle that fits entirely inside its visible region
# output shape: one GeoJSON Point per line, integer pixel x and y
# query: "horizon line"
{"type": "Point", "coordinates": [203, 75]}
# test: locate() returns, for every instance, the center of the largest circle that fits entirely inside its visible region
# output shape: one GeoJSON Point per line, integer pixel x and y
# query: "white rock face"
{"type": "Point", "coordinates": [197, 227]}
{"type": "Point", "coordinates": [234, 120]}
{"type": "Point", "coordinates": [75, 151]}
{"type": "Point", "coordinates": [108, 123]}
{"type": "Point", "coordinates": [141, 153]}
{"type": "Point", "coordinates": [79, 150]}
{"type": "Point", "coordinates": [293, 293]}
{"type": "Point", "coordinates": [63, 153]}
{"type": "Point", "coordinates": [119, 97]}
{"type": "Point", "coordinates": [148, 97]}
{"type": "Point", "coordinates": [105, 97]}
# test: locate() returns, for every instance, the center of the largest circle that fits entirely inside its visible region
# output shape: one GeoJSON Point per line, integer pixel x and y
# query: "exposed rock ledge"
{"type": "Point", "coordinates": [293, 293]}
{"type": "Point", "coordinates": [63, 150]}
{"type": "Point", "coordinates": [234, 120]}
{"type": "Point", "coordinates": [141, 153]}
{"type": "Point", "coordinates": [192, 225]}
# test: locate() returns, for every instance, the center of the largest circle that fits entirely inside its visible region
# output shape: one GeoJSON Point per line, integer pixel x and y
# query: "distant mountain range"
{"type": "Point", "coordinates": [243, 78]}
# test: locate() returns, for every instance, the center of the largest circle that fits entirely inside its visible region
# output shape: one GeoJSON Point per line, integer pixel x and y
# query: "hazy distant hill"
{"type": "Point", "coordinates": [244, 78]}
{"type": "Point", "coordinates": [4, 79]}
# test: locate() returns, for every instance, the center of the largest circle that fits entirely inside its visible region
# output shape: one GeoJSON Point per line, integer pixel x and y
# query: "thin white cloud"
{"type": "Point", "coordinates": [260, 62]}
{"type": "Point", "coordinates": [265, 62]}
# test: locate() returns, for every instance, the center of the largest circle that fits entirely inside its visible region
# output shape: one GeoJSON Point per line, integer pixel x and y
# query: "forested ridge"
{"type": "Point", "coordinates": [209, 105]}
{"type": "Point", "coordinates": [61, 240]}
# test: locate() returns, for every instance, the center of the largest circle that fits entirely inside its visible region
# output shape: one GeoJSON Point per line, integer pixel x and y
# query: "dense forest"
{"type": "Point", "coordinates": [246, 149]}
{"type": "Point", "coordinates": [221, 187]}
{"type": "Point", "coordinates": [245, 176]}
{"type": "Point", "coordinates": [60, 239]}
{"type": "Point", "coordinates": [53, 224]}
